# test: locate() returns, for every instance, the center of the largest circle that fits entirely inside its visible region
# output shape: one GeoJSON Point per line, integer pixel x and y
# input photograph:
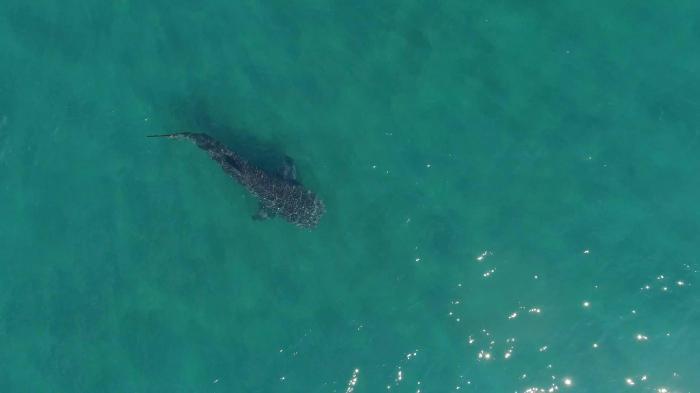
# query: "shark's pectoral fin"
{"type": "Point", "coordinates": [263, 214]}
{"type": "Point", "coordinates": [289, 170]}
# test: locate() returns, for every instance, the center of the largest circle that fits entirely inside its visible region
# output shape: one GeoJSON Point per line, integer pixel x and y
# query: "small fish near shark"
{"type": "Point", "coordinates": [279, 194]}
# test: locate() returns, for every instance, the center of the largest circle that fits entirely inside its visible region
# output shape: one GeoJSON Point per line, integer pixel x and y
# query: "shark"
{"type": "Point", "coordinates": [280, 194]}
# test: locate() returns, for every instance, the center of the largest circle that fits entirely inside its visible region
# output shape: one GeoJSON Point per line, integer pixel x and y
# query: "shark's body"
{"type": "Point", "coordinates": [279, 194]}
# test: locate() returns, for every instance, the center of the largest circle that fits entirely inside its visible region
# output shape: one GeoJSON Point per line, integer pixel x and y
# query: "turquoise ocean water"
{"type": "Point", "coordinates": [511, 188]}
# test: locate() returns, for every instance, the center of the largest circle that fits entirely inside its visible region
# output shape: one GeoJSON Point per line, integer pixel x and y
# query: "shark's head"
{"type": "Point", "coordinates": [309, 213]}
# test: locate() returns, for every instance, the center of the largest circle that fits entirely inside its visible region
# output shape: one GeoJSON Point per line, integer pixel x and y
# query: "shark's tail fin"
{"type": "Point", "coordinates": [175, 135]}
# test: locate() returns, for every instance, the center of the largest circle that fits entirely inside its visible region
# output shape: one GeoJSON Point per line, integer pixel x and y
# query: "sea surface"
{"type": "Point", "coordinates": [512, 196]}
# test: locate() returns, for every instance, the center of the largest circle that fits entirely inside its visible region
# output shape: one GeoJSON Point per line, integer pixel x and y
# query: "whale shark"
{"type": "Point", "coordinates": [279, 193]}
